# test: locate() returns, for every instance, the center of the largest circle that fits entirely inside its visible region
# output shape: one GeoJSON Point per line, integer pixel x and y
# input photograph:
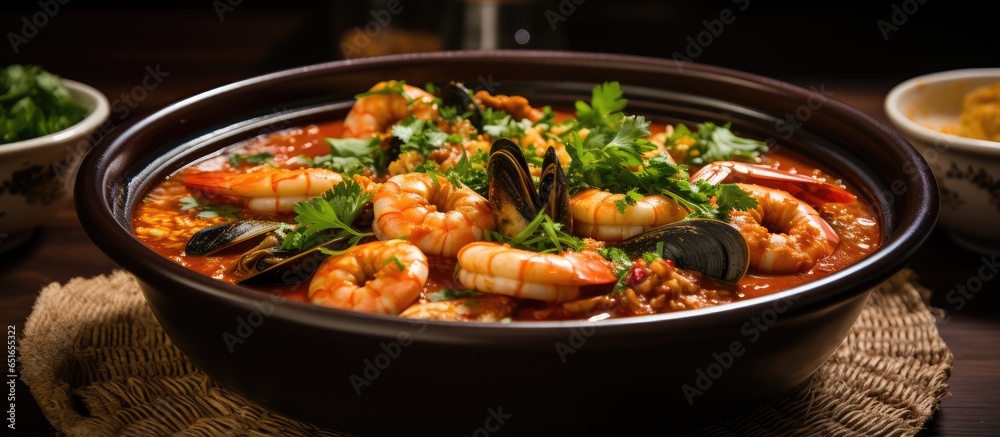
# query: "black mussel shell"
{"type": "Point", "coordinates": [456, 95]}
{"type": "Point", "coordinates": [215, 238]}
{"type": "Point", "coordinates": [553, 191]}
{"type": "Point", "coordinates": [711, 247]}
{"type": "Point", "coordinates": [512, 193]}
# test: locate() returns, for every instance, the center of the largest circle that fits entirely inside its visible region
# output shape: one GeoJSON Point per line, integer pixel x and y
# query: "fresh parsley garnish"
{"type": "Point", "coordinates": [604, 110]}
{"type": "Point", "coordinates": [715, 143]}
{"type": "Point", "coordinates": [33, 103]}
{"type": "Point", "coordinates": [207, 210]}
{"type": "Point", "coordinates": [348, 156]}
{"type": "Point", "coordinates": [328, 216]}
{"type": "Point", "coordinates": [542, 235]}
{"type": "Point", "coordinates": [499, 124]}
{"type": "Point", "coordinates": [422, 136]}
{"type": "Point", "coordinates": [451, 294]}
{"type": "Point", "coordinates": [618, 165]}
{"type": "Point", "coordinates": [256, 159]}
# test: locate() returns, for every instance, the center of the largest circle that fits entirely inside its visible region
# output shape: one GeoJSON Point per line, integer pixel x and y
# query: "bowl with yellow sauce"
{"type": "Point", "coordinates": [953, 119]}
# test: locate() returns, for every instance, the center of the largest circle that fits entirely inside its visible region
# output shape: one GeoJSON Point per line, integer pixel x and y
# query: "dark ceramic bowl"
{"type": "Point", "coordinates": [369, 374]}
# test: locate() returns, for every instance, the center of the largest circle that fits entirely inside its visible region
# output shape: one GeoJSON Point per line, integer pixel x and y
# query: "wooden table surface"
{"type": "Point", "coordinates": [62, 250]}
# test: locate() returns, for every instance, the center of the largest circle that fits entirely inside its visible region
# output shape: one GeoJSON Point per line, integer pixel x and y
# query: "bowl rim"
{"type": "Point", "coordinates": [912, 230]}
{"type": "Point", "coordinates": [908, 126]}
{"type": "Point", "coordinates": [97, 115]}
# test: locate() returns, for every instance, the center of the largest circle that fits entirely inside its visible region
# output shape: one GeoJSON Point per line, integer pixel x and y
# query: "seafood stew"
{"type": "Point", "coordinates": [442, 203]}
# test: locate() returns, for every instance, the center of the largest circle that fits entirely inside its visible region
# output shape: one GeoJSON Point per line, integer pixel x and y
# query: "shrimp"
{"type": "Point", "coordinates": [804, 236]}
{"type": "Point", "coordinates": [266, 191]}
{"type": "Point", "coordinates": [492, 267]}
{"type": "Point", "coordinates": [373, 114]}
{"type": "Point", "coordinates": [484, 308]}
{"type": "Point", "coordinates": [811, 190]}
{"type": "Point", "coordinates": [516, 106]}
{"type": "Point", "coordinates": [431, 213]}
{"type": "Point", "coordinates": [383, 277]}
{"type": "Point", "coordinates": [596, 216]}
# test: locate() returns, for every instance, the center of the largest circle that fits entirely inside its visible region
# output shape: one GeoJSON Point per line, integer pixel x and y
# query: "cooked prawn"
{"type": "Point", "coordinates": [492, 267]}
{"type": "Point", "coordinates": [373, 114]}
{"type": "Point", "coordinates": [383, 277]}
{"type": "Point", "coordinates": [516, 106]}
{"type": "Point", "coordinates": [804, 236]}
{"type": "Point", "coordinates": [596, 216]}
{"type": "Point", "coordinates": [431, 213]}
{"type": "Point", "coordinates": [266, 191]}
{"type": "Point", "coordinates": [483, 308]}
{"type": "Point", "coordinates": [811, 190]}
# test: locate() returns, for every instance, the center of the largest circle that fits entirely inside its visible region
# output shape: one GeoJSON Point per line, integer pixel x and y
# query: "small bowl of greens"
{"type": "Point", "coordinates": [46, 126]}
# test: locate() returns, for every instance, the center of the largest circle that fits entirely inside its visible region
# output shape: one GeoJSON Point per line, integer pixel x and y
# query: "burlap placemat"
{"type": "Point", "coordinates": [98, 363]}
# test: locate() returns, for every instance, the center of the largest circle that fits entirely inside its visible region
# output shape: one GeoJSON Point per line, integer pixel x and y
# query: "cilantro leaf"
{"type": "Point", "coordinates": [541, 235]}
{"type": "Point", "coordinates": [348, 156]}
{"type": "Point", "coordinates": [328, 216]}
{"type": "Point", "coordinates": [256, 159]}
{"type": "Point", "coordinates": [717, 143]}
{"type": "Point", "coordinates": [451, 294]}
{"type": "Point", "coordinates": [34, 103]}
{"type": "Point", "coordinates": [207, 210]}
{"type": "Point", "coordinates": [422, 136]}
{"type": "Point", "coordinates": [604, 110]}
{"type": "Point", "coordinates": [619, 166]}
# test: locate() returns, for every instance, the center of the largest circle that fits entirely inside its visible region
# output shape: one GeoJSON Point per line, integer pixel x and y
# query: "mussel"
{"type": "Point", "coordinates": [711, 247]}
{"type": "Point", "coordinates": [266, 262]}
{"type": "Point", "coordinates": [215, 238]}
{"type": "Point", "coordinates": [512, 193]}
{"type": "Point", "coordinates": [457, 96]}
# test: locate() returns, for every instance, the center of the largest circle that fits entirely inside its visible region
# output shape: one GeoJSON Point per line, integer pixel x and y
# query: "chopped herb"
{"type": "Point", "coordinates": [451, 294]}
{"type": "Point", "coordinates": [470, 172]}
{"type": "Point", "coordinates": [34, 103]}
{"type": "Point", "coordinates": [653, 256]}
{"type": "Point", "coordinates": [256, 159]}
{"type": "Point", "coordinates": [422, 136]}
{"type": "Point", "coordinates": [604, 110]}
{"type": "Point", "coordinates": [619, 166]}
{"type": "Point", "coordinates": [348, 156]}
{"type": "Point", "coordinates": [328, 216]}
{"type": "Point", "coordinates": [541, 235]}
{"type": "Point", "coordinates": [395, 259]}
{"type": "Point", "coordinates": [499, 124]}
{"type": "Point", "coordinates": [208, 210]}
{"type": "Point", "coordinates": [716, 143]}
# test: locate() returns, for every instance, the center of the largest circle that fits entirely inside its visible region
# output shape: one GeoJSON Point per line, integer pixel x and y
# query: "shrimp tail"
{"type": "Point", "coordinates": [803, 187]}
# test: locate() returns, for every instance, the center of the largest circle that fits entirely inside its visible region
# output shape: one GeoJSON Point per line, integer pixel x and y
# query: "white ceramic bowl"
{"type": "Point", "coordinates": [37, 173]}
{"type": "Point", "coordinates": [967, 169]}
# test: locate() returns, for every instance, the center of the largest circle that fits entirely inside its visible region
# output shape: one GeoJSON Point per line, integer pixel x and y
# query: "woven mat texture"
{"type": "Point", "coordinates": [98, 363]}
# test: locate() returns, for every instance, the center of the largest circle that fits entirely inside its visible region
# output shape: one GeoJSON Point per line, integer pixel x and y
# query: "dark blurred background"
{"type": "Point", "coordinates": [201, 44]}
